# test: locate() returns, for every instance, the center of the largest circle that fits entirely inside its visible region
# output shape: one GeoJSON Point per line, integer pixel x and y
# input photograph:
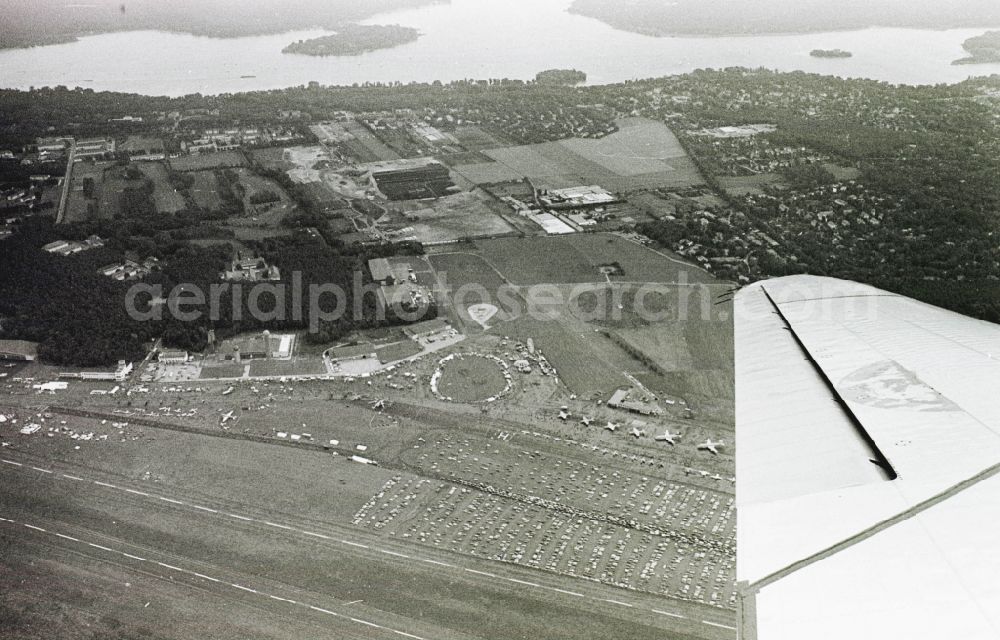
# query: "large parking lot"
{"type": "Point", "coordinates": [678, 551]}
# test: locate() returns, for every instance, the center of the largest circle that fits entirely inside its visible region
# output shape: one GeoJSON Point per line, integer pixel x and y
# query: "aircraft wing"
{"type": "Point", "coordinates": [829, 376]}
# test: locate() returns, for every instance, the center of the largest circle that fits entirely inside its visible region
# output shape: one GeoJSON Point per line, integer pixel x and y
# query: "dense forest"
{"type": "Point", "coordinates": [568, 77]}
{"type": "Point", "coordinates": [526, 112]}
{"type": "Point", "coordinates": [982, 49]}
{"type": "Point", "coordinates": [77, 315]}
{"type": "Point", "coordinates": [25, 23]}
{"type": "Point", "coordinates": [355, 39]}
{"type": "Point", "coordinates": [740, 17]}
{"type": "Point", "coordinates": [80, 317]}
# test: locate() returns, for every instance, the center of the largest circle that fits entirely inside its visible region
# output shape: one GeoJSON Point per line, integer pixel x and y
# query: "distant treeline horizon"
{"type": "Point", "coordinates": [27, 23]}
{"type": "Point", "coordinates": [751, 17]}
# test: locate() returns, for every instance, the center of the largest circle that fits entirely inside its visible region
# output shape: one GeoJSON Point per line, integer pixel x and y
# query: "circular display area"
{"type": "Point", "coordinates": [471, 378]}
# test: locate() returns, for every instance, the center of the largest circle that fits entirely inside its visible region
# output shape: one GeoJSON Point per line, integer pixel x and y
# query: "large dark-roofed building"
{"type": "Point", "coordinates": [411, 183]}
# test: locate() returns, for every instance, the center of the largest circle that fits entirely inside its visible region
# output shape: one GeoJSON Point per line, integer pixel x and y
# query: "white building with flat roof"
{"type": "Point", "coordinates": [120, 373]}
{"type": "Point", "coordinates": [172, 357]}
{"type": "Point", "coordinates": [552, 225]}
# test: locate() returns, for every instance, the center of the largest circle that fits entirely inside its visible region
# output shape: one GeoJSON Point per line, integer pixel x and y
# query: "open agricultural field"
{"type": "Point", "coordinates": [404, 142]}
{"type": "Point", "coordinates": [842, 173]}
{"type": "Point", "coordinates": [749, 185]}
{"type": "Point", "coordinates": [223, 371]}
{"type": "Point", "coordinates": [268, 214]}
{"type": "Point", "coordinates": [115, 181]}
{"type": "Point", "coordinates": [639, 147]}
{"type": "Point", "coordinates": [538, 260]}
{"type": "Point", "coordinates": [466, 269]}
{"type": "Point", "coordinates": [258, 233]}
{"type": "Point", "coordinates": [693, 359]}
{"type": "Point", "coordinates": [214, 242]}
{"type": "Point", "coordinates": [470, 280]}
{"type": "Point", "coordinates": [685, 344]}
{"type": "Point", "coordinates": [638, 263]}
{"type": "Point", "coordinates": [205, 190]}
{"type": "Point", "coordinates": [475, 138]}
{"type": "Point", "coordinates": [682, 339]}
{"type": "Point", "coordinates": [397, 351]}
{"type": "Point", "coordinates": [330, 132]}
{"type": "Point", "coordinates": [76, 205]}
{"type": "Point", "coordinates": [271, 158]}
{"type": "Point", "coordinates": [679, 338]}
{"type": "Point", "coordinates": [254, 184]}
{"type": "Point", "coordinates": [165, 196]}
{"type": "Point", "coordinates": [642, 154]}
{"type": "Point", "coordinates": [585, 361]}
{"type": "Point", "coordinates": [627, 305]}
{"type": "Point", "coordinates": [462, 215]}
{"type": "Point", "coordinates": [570, 349]}
{"type": "Point", "coordinates": [519, 189]}
{"type": "Point", "coordinates": [211, 464]}
{"type": "Point", "coordinates": [50, 197]}
{"type": "Point", "coordinates": [577, 258]}
{"type": "Point", "coordinates": [490, 172]}
{"type": "Point", "coordinates": [365, 147]}
{"type": "Point", "coordinates": [298, 366]}
{"type": "Point", "coordinates": [203, 161]}
{"type": "Point", "coordinates": [652, 205]}
{"type": "Point", "coordinates": [463, 158]}
{"type": "Point", "coordinates": [323, 198]}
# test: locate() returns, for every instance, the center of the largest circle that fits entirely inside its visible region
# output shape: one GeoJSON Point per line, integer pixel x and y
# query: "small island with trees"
{"type": "Point", "coordinates": [561, 77]}
{"type": "Point", "coordinates": [354, 40]}
{"type": "Point", "coordinates": [830, 53]}
{"type": "Point", "coordinates": [982, 49]}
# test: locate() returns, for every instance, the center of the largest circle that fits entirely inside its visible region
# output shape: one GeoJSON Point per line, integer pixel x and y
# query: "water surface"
{"type": "Point", "coordinates": [474, 39]}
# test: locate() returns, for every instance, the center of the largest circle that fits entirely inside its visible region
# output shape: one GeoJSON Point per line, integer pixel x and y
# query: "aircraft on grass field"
{"type": "Point", "coordinates": [669, 438]}
{"type": "Point", "coordinates": [711, 447]}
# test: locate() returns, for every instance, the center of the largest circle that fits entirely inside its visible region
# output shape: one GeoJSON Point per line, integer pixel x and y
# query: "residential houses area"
{"type": "Point", "coordinates": [398, 285]}
{"type": "Point", "coordinates": [246, 267]}
{"type": "Point", "coordinates": [213, 139]}
{"type": "Point", "coordinates": [130, 269]}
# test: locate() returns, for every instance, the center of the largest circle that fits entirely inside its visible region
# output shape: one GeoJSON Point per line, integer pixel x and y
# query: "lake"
{"type": "Point", "coordinates": [474, 39]}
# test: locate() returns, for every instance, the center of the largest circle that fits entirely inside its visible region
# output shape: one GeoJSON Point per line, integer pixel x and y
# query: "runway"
{"type": "Point", "coordinates": [201, 576]}
{"type": "Point", "coordinates": [404, 589]}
